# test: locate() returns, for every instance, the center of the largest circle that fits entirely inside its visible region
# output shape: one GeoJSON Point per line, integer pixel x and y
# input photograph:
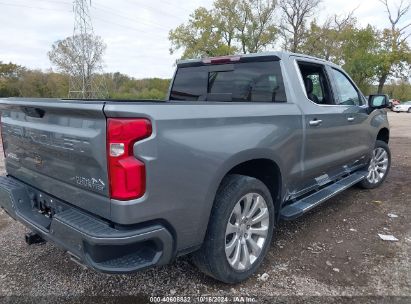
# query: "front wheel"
{"type": "Point", "coordinates": [378, 167]}
{"type": "Point", "coordinates": [239, 232]}
{"type": "Point", "coordinates": [409, 110]}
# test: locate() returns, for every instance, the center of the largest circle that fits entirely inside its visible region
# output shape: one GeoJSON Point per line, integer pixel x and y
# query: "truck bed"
{"type": "Point", "coordinates": [59, 147]}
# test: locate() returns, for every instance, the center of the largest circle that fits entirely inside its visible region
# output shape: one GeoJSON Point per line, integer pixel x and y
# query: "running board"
{"type": "Point", "coordinates": [307, 203]}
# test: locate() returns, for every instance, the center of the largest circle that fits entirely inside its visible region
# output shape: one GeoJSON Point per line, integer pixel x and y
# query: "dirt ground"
{"type": "Point", "coordinates": [333, 253]}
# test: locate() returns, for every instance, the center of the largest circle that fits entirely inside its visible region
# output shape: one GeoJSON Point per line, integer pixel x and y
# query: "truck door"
{"type": "Point", "coordinates": [358, 139]}
{"type": "Point", "coordinates": [326, 137]}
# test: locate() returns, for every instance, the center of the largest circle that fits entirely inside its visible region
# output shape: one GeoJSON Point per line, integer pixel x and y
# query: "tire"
{"type": "Point", "coordinates": [212, 258]}
{"type": "Point", "coordinates": [409, 110]}
{"type": "Point", "coordinates": [378, 163]}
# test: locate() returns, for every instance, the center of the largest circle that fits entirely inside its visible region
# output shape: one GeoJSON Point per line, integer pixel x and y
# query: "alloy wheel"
{"type": "Point", "coordinates": [378, 166]}
{"type": "Point", "coordinates": [246, 231]}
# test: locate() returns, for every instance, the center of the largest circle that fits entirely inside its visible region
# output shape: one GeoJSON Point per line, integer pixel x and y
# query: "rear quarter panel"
{"type": "Point", "coordinates": [193, 146]}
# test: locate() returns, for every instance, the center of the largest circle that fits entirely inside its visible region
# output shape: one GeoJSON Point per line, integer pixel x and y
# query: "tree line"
{"type": "Point", "coordinates": [378, 60]}
{"type": "Point", "coordinates": [18, 81]}
{"type": "Point", "coordinates": [370, 55]}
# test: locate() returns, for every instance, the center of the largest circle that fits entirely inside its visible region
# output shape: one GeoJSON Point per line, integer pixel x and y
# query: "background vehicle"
{"type": "Point", "coordinates": [403, 107]}
{"type": "Point", "coordinates": [393, 103]}
{"type": "Point", "coordinates": [242, 142]}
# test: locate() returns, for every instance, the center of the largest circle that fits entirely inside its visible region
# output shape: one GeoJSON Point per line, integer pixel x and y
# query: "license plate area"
{"type": "Point", "coordinates": [43, 205]}
{"type": "Point", "coordinates": [39, 208]}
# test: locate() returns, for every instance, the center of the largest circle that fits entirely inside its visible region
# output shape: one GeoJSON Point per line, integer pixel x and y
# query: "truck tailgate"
{"type": "Point", "coordinates": [58, 147]}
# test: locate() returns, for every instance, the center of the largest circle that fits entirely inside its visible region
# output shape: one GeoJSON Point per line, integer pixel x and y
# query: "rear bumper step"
{"type": "Point", "coordinates": [94, 242]}
{"type": "Point", "coordinates": [307, 203]}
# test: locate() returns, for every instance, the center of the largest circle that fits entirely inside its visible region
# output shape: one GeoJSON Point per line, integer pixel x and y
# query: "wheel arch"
{"type": "Point", "coordinates": [240, 164]}
{"type": "Point", "coordinates": [384, 135]}
{"type": "Point", "coordinates": [265, 170]}
{"type": "Point", "coordinates": [260, 164]}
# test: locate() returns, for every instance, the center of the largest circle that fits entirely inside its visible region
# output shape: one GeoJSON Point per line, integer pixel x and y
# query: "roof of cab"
{"type": "Point", "coordinates": [279, 54]}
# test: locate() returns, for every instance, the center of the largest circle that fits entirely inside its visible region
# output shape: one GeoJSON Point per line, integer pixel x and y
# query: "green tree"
{"type": "Point", "coordinates": [254, 22]}
{"type": "Point", "coordinates": [360, 56]}
{"type": "Point", "coordinates": [395, 53]}
{"type": "Point", "coordinates": [200, 36]}
{"type": "Point", "coordinates": [295, 15]}
{"type": "Point", "coordinates": [399, 89]}
{"type": "Point", "coordinates": [38, 84]}
{"type": "Point", "coordinates": [229, 27]}
{"type": "Point", "coordinates": [326, 41]}
{"type": "Point", "coordinates": [357, 49]}
{"type": "Point", "coordinates": [9, 77]}
{"type": "Point", "coordinates": [121, 86]}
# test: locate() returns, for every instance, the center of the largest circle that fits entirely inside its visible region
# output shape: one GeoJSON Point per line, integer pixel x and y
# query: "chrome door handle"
{"type": "Point", "coordinates": [315, 122]}
{"type": "Point", "coordinates": [350, 118]}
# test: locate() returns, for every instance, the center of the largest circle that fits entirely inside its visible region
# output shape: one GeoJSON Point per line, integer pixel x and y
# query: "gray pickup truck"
{"type": "Point", "coordinates": [241, 143]}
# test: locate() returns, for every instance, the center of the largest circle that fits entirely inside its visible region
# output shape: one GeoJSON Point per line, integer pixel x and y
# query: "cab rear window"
{"type": "Point", "coordinates": [238, 82]}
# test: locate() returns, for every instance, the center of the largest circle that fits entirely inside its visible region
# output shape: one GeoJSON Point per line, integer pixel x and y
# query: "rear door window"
{"type": "Point", "coordinates": [240, 82]}
{"type": "Point", "coordinates": [316, 83]}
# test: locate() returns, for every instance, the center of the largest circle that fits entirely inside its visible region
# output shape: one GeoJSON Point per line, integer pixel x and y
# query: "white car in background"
{"type": "Point", "coordinates": [403, 107]}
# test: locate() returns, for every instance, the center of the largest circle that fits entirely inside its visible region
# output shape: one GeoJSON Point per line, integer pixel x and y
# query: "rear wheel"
{"type": "Point", "coordinates": [378, 167]}
{"type": "Point", "coordinates": [239, 231]}
{"type": "Point", "coordinates": [409, 110]}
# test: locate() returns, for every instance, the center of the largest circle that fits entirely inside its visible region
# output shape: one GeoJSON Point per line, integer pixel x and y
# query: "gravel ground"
{"type": "Point", "coordinates": [332, 251]}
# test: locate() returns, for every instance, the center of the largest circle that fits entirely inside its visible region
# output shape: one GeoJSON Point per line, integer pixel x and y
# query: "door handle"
{"type": "Point", "coordinates": [350, 119]}
{"type": "Point", "coordinates": [315, 122]}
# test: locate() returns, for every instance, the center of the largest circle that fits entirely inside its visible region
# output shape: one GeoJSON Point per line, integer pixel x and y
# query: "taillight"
{"type": "Point", "coordinates": [127, 175]}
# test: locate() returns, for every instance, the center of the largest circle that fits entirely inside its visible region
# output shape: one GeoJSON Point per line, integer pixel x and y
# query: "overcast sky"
{"type": "Point", "coordinates": [135, 31]}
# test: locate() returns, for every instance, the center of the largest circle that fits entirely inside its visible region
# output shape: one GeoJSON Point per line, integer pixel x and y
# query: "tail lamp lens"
{"type": "Point", "coordinates": [127, 175]}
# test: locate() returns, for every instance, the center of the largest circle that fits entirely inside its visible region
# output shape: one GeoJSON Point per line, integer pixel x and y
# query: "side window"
{"type": "Point", "coordinates": [254, 81]}
{"type": "Point", "coordinates": [347, 93]}
{"type": "Point", "coordinates": [189, 84]}
{"type": "Point", "coordinates": [239, 82]}
{"type": "Point", "coordinates": [316, 83]}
